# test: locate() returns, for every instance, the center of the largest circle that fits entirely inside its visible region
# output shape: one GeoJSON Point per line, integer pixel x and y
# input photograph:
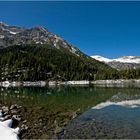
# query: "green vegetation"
{"type": "Point", "coordinates": [44, 62]}
{"type": "Point", "coordinates": [130, 74]}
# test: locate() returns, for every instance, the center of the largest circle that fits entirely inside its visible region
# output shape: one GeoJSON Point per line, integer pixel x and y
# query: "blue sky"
{"type": "Point", "coordinates": [110, 29]}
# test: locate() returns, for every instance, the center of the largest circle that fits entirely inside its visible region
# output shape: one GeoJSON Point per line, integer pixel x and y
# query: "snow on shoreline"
{"type": "Point", "coordinates": [22, 83]}
{"type": "Point", "coordinates": [117, 81]}
{"type": "Point", "coordinates": [6, 132]}
{"type": "Point", "coordinates": [80, 82]}
{"type": "Point", "coordinates": [126, 103]}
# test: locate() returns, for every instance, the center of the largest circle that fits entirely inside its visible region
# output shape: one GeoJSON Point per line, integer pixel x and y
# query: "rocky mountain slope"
{"type": "Point", "coordinates": [37, 54]}
{"type": "Point", "coordinates": [126, 62]}
{"type": "Point", "coordinates": [13, 35]}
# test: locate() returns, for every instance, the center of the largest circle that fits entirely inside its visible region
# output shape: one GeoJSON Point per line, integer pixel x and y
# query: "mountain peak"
{"type": "Point", "coordinates": [101, 58]}
{"type": "Point", "coordinates": [123, 59]}
{"type": "Point", "coordinates": [129, 57]}
{"type": "Point", "coordinates": [13, 35]}
{"type": "Point", "coordinates": [125, 62]}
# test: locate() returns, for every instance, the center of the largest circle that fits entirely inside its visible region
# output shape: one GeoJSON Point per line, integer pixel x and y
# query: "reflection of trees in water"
{"type": "Point", "coordinates": [63, 97]}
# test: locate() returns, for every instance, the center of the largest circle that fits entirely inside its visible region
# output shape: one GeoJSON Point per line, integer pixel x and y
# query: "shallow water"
{"type": "Point", "coordinates": [118, 117]}
{"type": "Point", "coordinates": [111, 121]}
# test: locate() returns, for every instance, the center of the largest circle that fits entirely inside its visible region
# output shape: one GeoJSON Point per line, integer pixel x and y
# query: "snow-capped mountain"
{"type": "Point", "coordinates": [101, 58]}
{"type": "Point", "coordinates": [120, 63]}
{"type": "Point", "coordinates": [7, 30]}
{"type": "Point", "coordinates": [125, 59]}
{"type": "Point", "coordinates": [13, 35]}
{"type": "Point", "coordinates": [128, 59]}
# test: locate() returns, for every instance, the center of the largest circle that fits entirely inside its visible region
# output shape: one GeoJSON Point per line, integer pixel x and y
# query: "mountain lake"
{"type": "Point", "coordinates": [77, 112]}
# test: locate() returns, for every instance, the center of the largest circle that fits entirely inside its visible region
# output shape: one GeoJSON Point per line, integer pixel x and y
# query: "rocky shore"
{"type": "Point", "coordinates": [41, 83]}
{"type": "Point", "coordinates": [118, 82]}
{"type": "Point", "coordinates": [22, 83]}
{"type": "Point", "coordinates": [38, 123]}
{"type": "Point", "coordinates": [11, 117]}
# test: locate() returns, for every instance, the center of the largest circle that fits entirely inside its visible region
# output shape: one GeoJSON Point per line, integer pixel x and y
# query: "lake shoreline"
{"type": "Point", "coordinates": [117, 82]}
{"type": "Point", "coordinates": [12, 124]}
{"type": "Point", "coordinates": [46, 112]}
{"type": "Point", "coordinates": [15, 118]}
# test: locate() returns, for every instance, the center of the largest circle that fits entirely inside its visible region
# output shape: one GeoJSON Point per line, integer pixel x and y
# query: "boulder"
{"type": "Point", "coordinates": [5, 109]}
{"type": "Point", "coordinates": [16, 117]}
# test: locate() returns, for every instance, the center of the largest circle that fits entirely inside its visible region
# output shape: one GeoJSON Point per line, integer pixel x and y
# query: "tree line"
{"type": "Point", "coordinates": [45, 62]}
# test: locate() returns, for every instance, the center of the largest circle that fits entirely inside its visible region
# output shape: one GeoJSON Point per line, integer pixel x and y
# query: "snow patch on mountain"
{"type": "Point", "coordinates": [39, 35]}
{"type": "Point", "coordinates": [5, 27]}
{"type": "Point", "coordinates": [128, 59]}
{"type": "Point", "coordinates": [125, 59]}
{"type": "Point", "coordinates": [101, 58]}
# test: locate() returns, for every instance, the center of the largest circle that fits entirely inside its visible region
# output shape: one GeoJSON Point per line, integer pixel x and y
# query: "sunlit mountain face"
{"type": "Point", "coordinates": [44, 55]}
{"type": "Point", "coordinates": [125, 62]}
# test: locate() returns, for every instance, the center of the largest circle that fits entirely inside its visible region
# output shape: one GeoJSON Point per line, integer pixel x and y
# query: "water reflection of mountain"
{"type": "Point", "coordinates": [65, 97]}
{"type": "Point", "coordinates": [115, 118]}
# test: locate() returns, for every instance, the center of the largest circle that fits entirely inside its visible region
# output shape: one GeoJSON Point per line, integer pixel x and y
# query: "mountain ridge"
{"type": "Point", "coordinates": [14, 35]}
{"type": "Point", "coordinates": [123, 59]}
{"type": "Point", "coordinates": [37, 54]}
{"type": "Point", "coordinates": [124, 62]}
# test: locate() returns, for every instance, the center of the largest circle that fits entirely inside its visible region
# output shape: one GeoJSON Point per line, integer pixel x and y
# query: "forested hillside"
{"type": "Point", "coordinates": [44, 62]}
{"type": "Point", "coordinates": [37, 54]}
